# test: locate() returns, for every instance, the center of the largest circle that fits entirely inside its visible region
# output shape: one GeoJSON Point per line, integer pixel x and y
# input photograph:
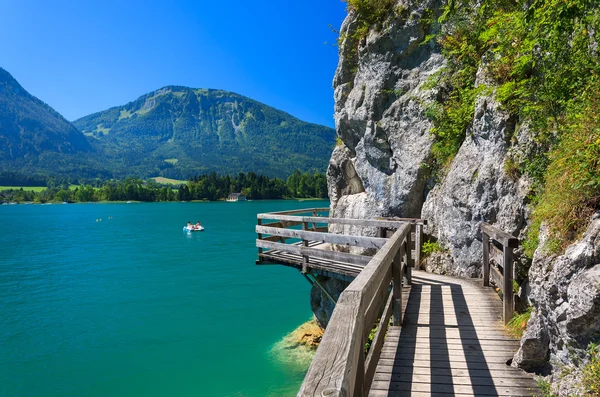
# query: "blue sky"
{"type": "Point", "coordinates": [83, 56]}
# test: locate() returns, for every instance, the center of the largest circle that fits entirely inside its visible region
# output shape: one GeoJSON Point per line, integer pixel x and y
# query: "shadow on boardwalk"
{"type": "Point", "coordinates": [452, 343]}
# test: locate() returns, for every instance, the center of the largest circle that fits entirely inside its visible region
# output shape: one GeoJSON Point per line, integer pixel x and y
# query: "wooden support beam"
{"type": "Point", "coordinates": [397, 275]}
{"type": "Point", "coordinates": [508, 284]}
{"type": "Point", "coordinates": [304, 256]}
{"type": "Point", "coordinates": [418, 245]}
{"type": "Point", "coordinates": [486, 259]}
{"type": "Point", "coordinates": [408, 262]}
{"type": "Point", "coordinates": [314, 282]}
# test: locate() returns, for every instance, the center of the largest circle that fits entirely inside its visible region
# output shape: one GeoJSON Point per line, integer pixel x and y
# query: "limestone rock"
{"type": "Point", "coordinates": [477, 188]}
{"type": "Point", "coordinates": [320, 304]}
{"type": "Point", "coordinates": [379, 114]}
{"type": "Point", "coordinates": [565, 291]}
{"type": "Point", "coordinates": [533, 353]}
{"type": "Point", "coordinates": [438, 263]}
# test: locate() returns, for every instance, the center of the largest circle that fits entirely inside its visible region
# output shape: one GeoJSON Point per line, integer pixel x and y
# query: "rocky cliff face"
{"type": "Point", "coordinates": [477, 188]}
{"type": "Point", "coordinates": [379, 114]}
{"type": "Point", "coordinates": [565, 293]}
{"type": "Point", "coordinates": [378, 170]}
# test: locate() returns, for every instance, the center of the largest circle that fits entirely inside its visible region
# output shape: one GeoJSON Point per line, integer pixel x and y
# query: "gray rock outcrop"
{"type": "Point", "coordinates": [379, 113]}
{"type": "Point", "coordinates": [477, 188]}
{"type": "Point", "coordinates": [320, 303]}
{"type": "Point", "coordinates": [565, 292]}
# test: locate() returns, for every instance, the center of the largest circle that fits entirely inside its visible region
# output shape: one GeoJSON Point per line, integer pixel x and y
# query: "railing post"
{"type": "Point", "coordinates": [359, 382]}
{"type": "Point", "coordinates": [260, 250]}
{"type": "Point", "coordinates": [486, 259]}
{"type": "Point", "coordinates": [304, 257]}
{"type": "Point", "coordinates": [507, 259]}
{"type": "Point", "coordinates": [407, 261]}
{"type": "Point", "coordinates": [397, 289]}
{"type": "Point", "coordinates": [418, 243]}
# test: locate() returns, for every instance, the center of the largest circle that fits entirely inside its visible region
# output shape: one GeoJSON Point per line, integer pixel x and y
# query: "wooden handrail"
{"type": "Point", "coordinates": [300, 211]}
{"type": "Point", "coordinates": [504, 258]}
{"type": "Point", "coordinates": [338, 368]}
{"type": "Point", "coordinates": [358, 241]}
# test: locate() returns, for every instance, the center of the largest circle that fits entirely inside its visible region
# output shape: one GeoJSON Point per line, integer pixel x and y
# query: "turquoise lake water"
{"type": "Point", "coordinates": [130, 305]}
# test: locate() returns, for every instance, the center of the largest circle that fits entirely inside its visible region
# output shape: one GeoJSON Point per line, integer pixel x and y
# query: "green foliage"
{"type": "Point", "coordinates": [203, 187]}
{"type": "Point", "coordinates": [517, 325]}
{"type": "Point", "coordinates": [369, 13]}
{"type": "Point", "coordinates": [429, 247]}
{"type": "Point", "coordinates": [591, 371]}
{"type": "Point", "coordinates": [542, 56]}
{"type": "Point", "coordinates": [545, 389]}
{"type": "Point", "coordinates": [572, 180]}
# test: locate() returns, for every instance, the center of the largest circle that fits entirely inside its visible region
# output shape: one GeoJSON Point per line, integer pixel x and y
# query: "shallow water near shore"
{"type": "Point", "coordinates": [116, 300]}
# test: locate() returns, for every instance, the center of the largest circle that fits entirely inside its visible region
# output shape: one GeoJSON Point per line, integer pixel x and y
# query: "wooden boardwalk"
{"type": "Point", "coordinates": [452, 342]}
{"type": "Point", "coordinates": [433, 335]}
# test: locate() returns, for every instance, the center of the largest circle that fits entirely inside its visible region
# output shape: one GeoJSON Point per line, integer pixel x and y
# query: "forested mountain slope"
{"type": "Point", "coordinates": [179, 131]}
{"type": "Point", "coordinates": [34, 136]}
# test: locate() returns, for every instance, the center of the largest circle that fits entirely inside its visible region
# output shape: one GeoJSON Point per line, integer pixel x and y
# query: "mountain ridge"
{"type": "Point", "coordinates": [174, 131]}
{"type": "Point", "coordinates": [177, 129]}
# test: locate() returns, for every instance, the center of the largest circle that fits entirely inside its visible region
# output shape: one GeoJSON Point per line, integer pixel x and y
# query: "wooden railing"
{"type": "Point", "coordinates": [314, 228]}
{"type": "Point", "coordinates": [340, 366]}
{"type": "Point", "coordinates": [499, 245]}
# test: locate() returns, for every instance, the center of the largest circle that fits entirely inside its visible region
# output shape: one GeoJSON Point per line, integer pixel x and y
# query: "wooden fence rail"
{"type": "Point", "coordinates": [340, 366]}
{"type": "Point", "coordinates": [318, 222]}
{"type": "Point", "coordinates": [503, 275]}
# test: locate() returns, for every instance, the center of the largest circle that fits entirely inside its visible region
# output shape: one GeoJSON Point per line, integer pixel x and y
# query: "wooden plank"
{"type": "Point", "coordinates": [377, 343]}
{"type": "Point", "coordinates": [412, 220]}
{"type": "Point", "coordinates": [360, 241]}
{"type": "Point", "coordinates": [500, 373]}
{"type": "Point", "coordinates": [418, 245]}
{"type": "Point", "coordinates": [496, 254]}
{"type": "Point", "coordinates": [282, 224]}
{"type": "Point", "coordinates": [273, 238]}
{"type": "Point", "coordinates": [376, 305]}
{"type": "Point", "coordinates": [485, 379]}
{"type": "Point", "coordinates": [316, 252]}
{"type": "Point", "coordinates": [341, 221]}
{"type": "Point", "coordinates": [299, 211]}
{"type": "Point", "coordinates": [397, 272]}
{"type": "Point", "coordinates": [500, 236]}
{"type": "Point", "coordinates": [457, 344]}
{"type": "Point", "coordinates": [451, 354]}
{"type": "Point", "coordinates": [333, 371]}
{"type": "Point", "coordinates": [336, 368]}
{"type": "Point", "coordinates": [370, 278]}
{"type": "Point", "coordinates": [451, 390]}
{"type": "Point", "coordinates": [388, 362]}
{"type": "Point", "coordinates": [497, 277]}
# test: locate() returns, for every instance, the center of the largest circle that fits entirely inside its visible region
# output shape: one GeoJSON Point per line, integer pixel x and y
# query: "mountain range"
{"type": "Point", "coordinates": [174, 132]}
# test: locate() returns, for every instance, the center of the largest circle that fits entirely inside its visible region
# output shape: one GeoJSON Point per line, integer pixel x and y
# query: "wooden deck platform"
{"type": "Point", "coordinates": [323, 266]}
{"type": "Point", "coordinates": [452, 342]}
